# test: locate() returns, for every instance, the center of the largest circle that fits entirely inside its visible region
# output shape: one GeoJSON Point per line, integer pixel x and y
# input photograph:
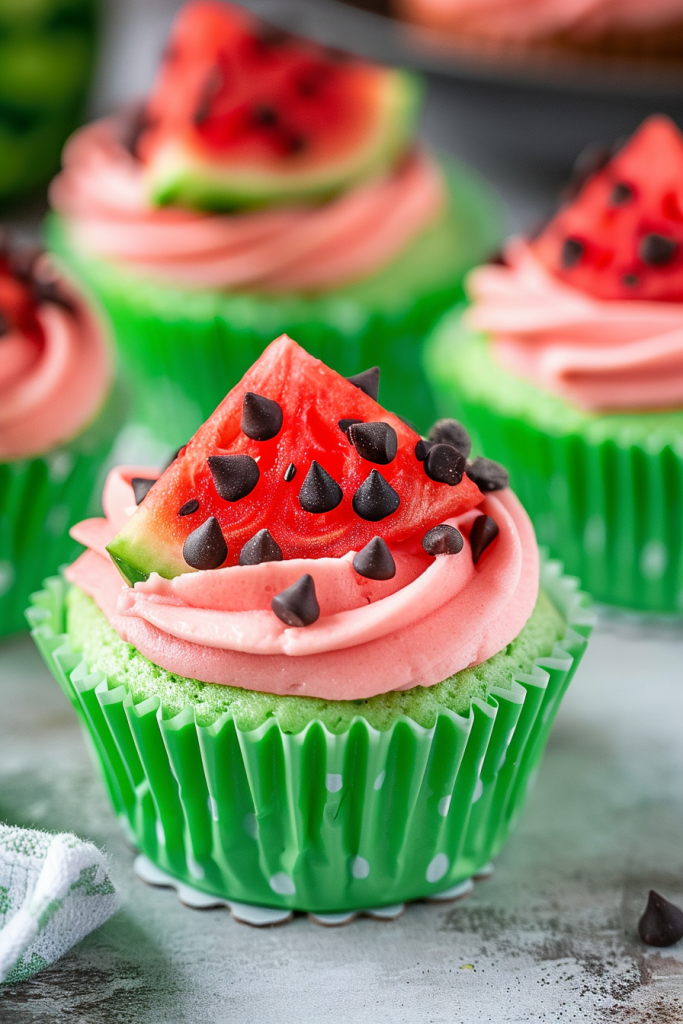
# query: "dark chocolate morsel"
{"type": "Point", "coordinates": [367, 381]}
{"type": "Point", "coordinates": [422, 448]}
{"type": "Point", "coordinates": [445, 464]}
{"type": "Point", "coordinates": [261, 548]}
{"type": "Point", "coordinates": [451, 432]}
{"type": "Point", "coordinates": [487, 474]}
{"type": "Point", "coordinates": [205, 547]}
{"type": "Point", "coordinates": [374, 442]}
{"type": "Point", "coordinates": [319, 492]}
{"type": "Point", "coordinates": [375, 499]}
{"type": "Point", "coordinates": [631, 280]}
{"type": "Point", "coordinates": [290, 473]}
{"type": "Point", "coordinates": [375, 561]}
{"type": "Point", "coordinates": [141, 486]}
{"type": "Point", "coordinates": [442, 540]}
{"type": "Point", "coordinates": [662, 921]}
{"type": "Point", "coordinates": [297, 605]}
{"type": "Point", "coordinates": [484, 531]}
{"type": "Point", "coordinates": [656, 249]}
{"type": "Point", "coordinates": [261, 417]}
{"type": "Point", "coordinates": [572, 251]}
{"type": "Point", "coordinates": [234, 476]}
{"type": "Point", "coordinates": [189, 508]}
{"type": "Point", "coordinates": [345, 424]}
{"type": "Point", "coordinates": [621, 194]}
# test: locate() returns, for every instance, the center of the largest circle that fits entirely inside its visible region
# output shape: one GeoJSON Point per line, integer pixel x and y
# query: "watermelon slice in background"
{"type": "Point", "coordinates": [294, 467]}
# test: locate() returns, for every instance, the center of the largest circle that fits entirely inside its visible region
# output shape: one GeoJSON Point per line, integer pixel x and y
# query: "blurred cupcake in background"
{"type": "Point", "coordinates": [569, 368]}
{"type": "Point", "coordinates": [57, 419]}
{"type": "Point", "coordinates": [267, 185]}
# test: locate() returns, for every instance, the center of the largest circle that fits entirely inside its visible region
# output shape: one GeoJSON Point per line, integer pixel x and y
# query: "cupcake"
{"type": "Point", "coordinates": [57, 419]}
{"type": "Point", "coordinates": [267, 185]}
{"type": "Point", "coordinates": [313, 655]}
{"type": "Point", "coordinates": [569, 367]}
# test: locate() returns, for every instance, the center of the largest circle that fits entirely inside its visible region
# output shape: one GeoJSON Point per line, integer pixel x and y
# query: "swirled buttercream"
{"type": "Point", "coordinates": [600, 354]}
{"type": "Point", "coordinates": [101, 194]}
{"type": "Point", "coordinates": [437, 616]}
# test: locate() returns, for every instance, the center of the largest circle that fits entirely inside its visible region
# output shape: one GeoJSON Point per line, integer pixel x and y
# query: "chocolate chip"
{"type": "Point", "coordinates": [189, 508]}
{"type": "Point", "coordinates": [367, 381]}
{"type": "Point", "coordinates": [661, 923]}
{"type": "Point", "coordinates": [375, 499]}
{"type": "Point", "coordinates": [319, 492]}
{"type": "Point", "coordinates": [487, 474]}
{"type": "Point", "coordinates": [298, 604]}
{"type": "Point", "coordinates": [265, 116]}
{"type": "Point", "coordinates": [141, 486]}
{"type": "Point", "coordinates": [345, 424]}
{"type": "Point", "coordinates": [621, 194]}
{"type": "Point", "coordinates": [656, 249]}
{"type": "Point", "coordinates": [442, 540]}
{"type": "Point", "coordinates": [451, 432]}
{"type": "Point", "coordinates": [375, 561]}
{"type": "Point", "coordinates": [234, 476]}
{"type": "Point", "coordinates": [290, 473]}
{"type": "Point", "coordinates": [572, 251]}
{"type": "Point", "coordinates": [445, 464]}
{"type": "Point", "coordinates": [374, 442]}
{"type": "Point", "coordinates": [261, 548]}
{"type": "Point", "coordinates": [484, 531]}
{"type": "Point", "coordinates": [205, 547]}
{"type": "Point", "coordinates": [261, 417]}
{"type": "Point", "coordinates": [422, 448]}
{"type": "Point", "coordinates": [630, 280]}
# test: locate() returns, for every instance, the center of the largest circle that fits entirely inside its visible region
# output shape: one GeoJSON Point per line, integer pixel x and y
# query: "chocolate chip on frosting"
{"type": "Point", "coordinates": [375, 561]}
{"type": "Point", "coordinates": [487, 474]}
{"type": "Point", "coordinates": [375, 499]}
{"type": "Point", "coordinates": [656, 250]}
{"type": "Point", "coordinates": [234, 476]}
{"type": "Point", "coordinates": [260, 548]}
{"type": "Point", "coordinates": [261, 417]}
{"type": "Point", "coordinates": [319, 492]}
{"type": "Point", "coordinates": [661, 923]}
{"type": "Point", "coordinates": [298, 604]}
{"type": "Point", "coordinates": [445, 464]}
{"type": "Point", "coordinates": [374, 442]}
{"type": "Point", "coordinates": [205, 547]}
{"type": "Point", "coordinates": [290, 473]}
{"type": "Point", "coordinates": [442, 540]}
{"type": "Point", "coordinates": [572, 251]}
{"type": "Point", "coordinates": [189, 508]}
{"type": "Point", "coordinates": [451, 432]}
{"type": "Point", "coordinates": [484, 531]}
{"type": "Point", "coordinates": [367, 381]}
{"type": "Point", "coordinates": [141, 487]}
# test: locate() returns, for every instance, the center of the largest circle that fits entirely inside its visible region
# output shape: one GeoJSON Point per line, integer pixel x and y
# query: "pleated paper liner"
{"type": "Point", "coordinates": [40, 499]}
{"type": "Point", "coordinates": [315, 821]}
{"type": "Point", "coordinates": [184, 350]}
{"type": "Point", "coordinates": [610, 507]}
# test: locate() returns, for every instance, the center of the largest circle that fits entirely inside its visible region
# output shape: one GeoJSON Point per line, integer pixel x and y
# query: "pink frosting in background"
{"type": "Point", "coordinates": [101, 193]}
{"type": "Point", "coordinates": [599, 354]}
{"type": "Point", "coordinates": [436, 617]}
{"type": "Point", "coordinates": [49, 393]}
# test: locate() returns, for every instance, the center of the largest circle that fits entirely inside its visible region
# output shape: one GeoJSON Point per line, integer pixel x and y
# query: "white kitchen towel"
{"type": "Point", "coordinates": [54, 890]}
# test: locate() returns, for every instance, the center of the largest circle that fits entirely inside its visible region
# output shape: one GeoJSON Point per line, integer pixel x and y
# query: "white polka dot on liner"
{"type": "Point", "coordinates": [360, 868]}
{"type": "Point", "coordinates": [443, 806]}
{"type": "Point", "coordinates": [478, 790]}
{"type": "Point", "coordinates": [282, 884]}
{"type": "Point", "coordinates": [379, 781]}
{"type": "Point", "coordinates": [437, 868]}
{"type": "Point", "coordinates": [333, 783]}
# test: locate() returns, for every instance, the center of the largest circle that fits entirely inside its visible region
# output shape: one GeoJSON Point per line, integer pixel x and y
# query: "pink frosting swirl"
{"type": "Point", "coordinates": [437, 616]}
{"type": "Point", "coordinates": [600, 354]}
{"type": "Point", "coordinates": [296, 248]}
{"type": "Point", "coordinates": [49, 392]}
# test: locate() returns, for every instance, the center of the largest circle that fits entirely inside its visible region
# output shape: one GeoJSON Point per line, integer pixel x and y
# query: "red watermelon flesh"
{"type": "Point", "coordinates": [622, 237]}
{"type": "Point", "coordinates": [312, 399]}
{"type": "Point", "coordinates": [243, 114]}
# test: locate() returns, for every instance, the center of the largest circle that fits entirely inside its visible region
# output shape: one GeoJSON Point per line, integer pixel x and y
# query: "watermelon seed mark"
{"type": "Point", "coordinates": [290, 473]}
{"type": "Point", "coordinates": [189, 508]}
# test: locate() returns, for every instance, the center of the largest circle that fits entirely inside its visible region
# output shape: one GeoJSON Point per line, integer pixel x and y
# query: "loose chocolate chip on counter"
{"type": "Point", "coordinates": [484, 531]}
{"type": "Point", "coordinates": [319, 492]}
{"type": "Point", "coordinates": [261, 417]}
{"type": "Point", "coordinates": [630, 280]}
{"type": "Point", "coordinates": [367, 381]}
{"type": "Point", "coordinates": [290, 473]}
{"type": "Point", "coordinates": [298, 604]}
{"type": "Point", "coordinates": [621, 194]}
{"type": "Point", "coordinates": [261, 548]}
{"type": "Point", "coordinates": [572, 251]}
{"type": "Point", "coordinates": [487, 474]}
{"type": "Point", "coordinates": [205, 547]}
{"type": "Point", "coordinates": [375, 561]}
{"type": "Point", "coordinates": [445, 464]}
{"type": "Point", "coordinates": [451, 432]}
{"type": "Point", "coordinates": [345, 424]}
{"type": "Point", "coordinates": [141, 486]}
{"type": "Point", "coordinates": [234, 476]}
{"type": "Point", "coordinates": [442, 540]}
{"type": "Point", "coordinates": [661, 923]}
{"type": "Point", "coordinates": [189, 508]}
{"type": "Point", "coordinates": [375, 499]}
{"type": "Point", "coordinates": [374, 442]}
{"type": "Point", "coordinates": [422, 449]}
{"type": "Point", "coordinates": [656, 249]}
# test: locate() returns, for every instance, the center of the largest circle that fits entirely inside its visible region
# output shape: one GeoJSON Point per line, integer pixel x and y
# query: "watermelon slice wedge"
{"type": "Point", "coordinates": [244, 115]}
{"type": "Point", "coordinates": [302, 453]}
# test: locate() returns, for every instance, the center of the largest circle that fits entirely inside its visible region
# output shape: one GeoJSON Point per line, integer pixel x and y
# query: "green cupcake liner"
{"type": "Point", "coordinates": [315, 821]}
{"type": "Point", "coordinates": [605, 494]}
{"type": "Point", "coordinates": [184, 350]}
{"type": "Point", "coordinates": [40, 499]}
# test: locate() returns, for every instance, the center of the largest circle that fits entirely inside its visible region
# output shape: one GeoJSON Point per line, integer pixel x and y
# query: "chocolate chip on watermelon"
{"type": "Point", "coordinates": [374, 442]}
{"type": "Point", "coordinates": [449, 431]}
{"type": "Point", "coordinates": [367, 381]}
{"type": "Point", "coordinates": [141, 486]}
{"type": "Point", "coordinates": [339, 507]}
{"type": "Point", "coordinates": [261, 548]}
{"type": "Point", "coordinates": [243, 116]}
{"type": "Point", "coordinates": [261, 417]}
{"type": "Point", "coordinates": [445, 464]}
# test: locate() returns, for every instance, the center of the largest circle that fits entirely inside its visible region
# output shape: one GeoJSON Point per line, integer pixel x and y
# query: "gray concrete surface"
{"type": "Point", "coordinates": [550, 938]}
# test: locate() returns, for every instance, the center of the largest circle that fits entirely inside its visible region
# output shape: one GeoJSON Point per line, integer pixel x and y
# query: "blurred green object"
{"type": "Point", "coordinates": [47, 50]}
